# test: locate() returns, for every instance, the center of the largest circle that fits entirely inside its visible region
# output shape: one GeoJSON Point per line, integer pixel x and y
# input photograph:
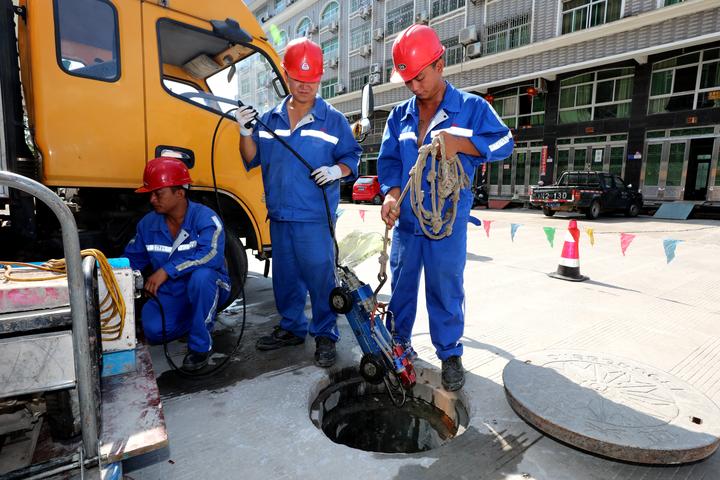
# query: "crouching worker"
{"type": "Point", "coordinates": [183, 243]}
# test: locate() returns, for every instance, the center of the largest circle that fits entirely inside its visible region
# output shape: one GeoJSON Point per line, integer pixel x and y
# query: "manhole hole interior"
{"type": "Point", "coordinates": [352, 412]}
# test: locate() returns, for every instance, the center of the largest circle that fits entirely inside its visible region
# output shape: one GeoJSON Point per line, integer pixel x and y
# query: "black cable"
{"type": "Point", "coordinates": [201, 374]}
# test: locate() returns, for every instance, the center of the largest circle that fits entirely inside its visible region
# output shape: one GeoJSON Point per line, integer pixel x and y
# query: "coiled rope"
{"type": "Point", "coordinates": [111, 306]}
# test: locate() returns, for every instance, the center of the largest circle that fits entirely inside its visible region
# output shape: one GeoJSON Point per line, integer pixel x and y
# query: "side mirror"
{"type": "Point", "coordinates": [361, 128]}
{"type": "Point", "coordinates": [230, 30]}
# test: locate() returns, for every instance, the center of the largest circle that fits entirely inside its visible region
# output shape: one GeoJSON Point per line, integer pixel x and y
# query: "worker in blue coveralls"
{"type": "Point", "coordinates": [303, 252]}
{"type": "Point", "coordinates": [184, 243]}
{"type": "Point", "coordinates": [471, 129]}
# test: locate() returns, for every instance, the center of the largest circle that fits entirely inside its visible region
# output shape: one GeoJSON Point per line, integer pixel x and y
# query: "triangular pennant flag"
{"type": "Point", "coordinates": [475, 221]}
{"type": "Point", "coordinates": [486, 225]}
{"type": "Point", "coordinates": [625, 241]}
{"type": "Point", "coordinates": [362, 214]}
{"type": "Point", "coordinates": [513, 230]}
{"type": "Point", "coordinates": [591, 235]}
{"type": "Point", "coordinates": [550, 234]}
{"type": "Point", "coordinates": [339, 212]}
{"type": "Point", "coordinates": [669, 246]}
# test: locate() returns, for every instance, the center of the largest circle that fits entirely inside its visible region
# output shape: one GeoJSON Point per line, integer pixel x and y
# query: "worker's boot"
{"type": "Point", "coordinates": [195, 360]}
{"type": "Point", "coordinates": [453, 374]}
{"type": "Point", "coordinates": [277, 339]}
{"type": "Point", "coordinates": [325, 353]}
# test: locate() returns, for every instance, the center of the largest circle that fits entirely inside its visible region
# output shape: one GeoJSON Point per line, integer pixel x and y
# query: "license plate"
{"type": "Point", "coordinates": [361, 189]}
{"type": "Point", "coordinates": [552, 204]}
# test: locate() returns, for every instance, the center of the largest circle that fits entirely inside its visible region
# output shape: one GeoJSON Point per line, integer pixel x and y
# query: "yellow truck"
{"type": "Point", "coordinates": [108, 85]}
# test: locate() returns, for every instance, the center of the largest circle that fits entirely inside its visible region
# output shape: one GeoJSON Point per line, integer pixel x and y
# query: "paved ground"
{"type": "Point", "coordinates": [252, 420]}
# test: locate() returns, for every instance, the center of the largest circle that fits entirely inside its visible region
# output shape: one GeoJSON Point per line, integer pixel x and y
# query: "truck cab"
{"type": "Point", "coordinates": [110, 84]}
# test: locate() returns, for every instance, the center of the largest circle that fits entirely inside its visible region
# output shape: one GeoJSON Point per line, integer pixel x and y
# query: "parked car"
{"type": "Point", "coordinates": [591, 193]}
{"type": "Point", "coordinates": [367, 189]}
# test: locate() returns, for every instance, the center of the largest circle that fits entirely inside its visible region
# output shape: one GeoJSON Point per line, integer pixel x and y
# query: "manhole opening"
{"type": "Point", "coordinates": [352, 412]}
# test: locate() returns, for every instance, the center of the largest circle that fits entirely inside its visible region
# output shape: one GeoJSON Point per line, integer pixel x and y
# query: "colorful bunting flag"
{"type": "Point", "coordinates": [591, 234]}
{"type": "Point", "coordinates": [550, 235]}
{"type": "Point", "coordinates": [362, 214]}
{"type": "Point", "coordinates": [475, 221]}
{"type": "Point", "coordinates": [339, 212]}
{"type": "Point", "coordinates": [625, 241]}
{"type": "Point", "coordinates": [669, 246]}
{"type": "Point", "coordinates": [513, 229]}
{"type": "Point", "coordinates": [486, 225]}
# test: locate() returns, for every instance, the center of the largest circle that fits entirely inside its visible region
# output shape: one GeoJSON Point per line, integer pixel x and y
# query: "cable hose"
{"type": "Point", "coordinates": [112, 304]}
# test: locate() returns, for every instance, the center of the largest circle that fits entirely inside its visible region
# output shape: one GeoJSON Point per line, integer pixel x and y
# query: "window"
{"type": "Point", "coordinates": [675, 164]}
{"type": "Point", "coordinates": [453, 51]}
{"type": "Point", "coordinates": [329, 14]}
{"type": "Point", "coordinates": [616, 160]}
{"type": "Point", "coordinates": [520, 168]}
{"type": "Point", "coordinates": [360, 36]}
{"type": "Point", "coordinates": [597, 95]}
{"type": "Point", "coordinates": [358, 79]}
{"type": "Point", "coordinates": [534, 168]}
{"type": "Point", "coordinates": [328, 88]}
{"type": "Point", "coordinates": [511, 33]}
{"type": "Point", "coordinates": [441, 7]}
{"type": "Point", "coordinates": [280, 5]}
{"type": "Point", "coordinates": [561, 165]}
{"type": "Point", "coordinates": [303, 27]}
{"type": "Point", "coordinates": [87, 39]}
{"type": "Point", "coordinates": [672, 2]}
{"type": "Point", "coordinates": [357, 4]}
{"type": "Point", "coordinates": [399, 18]}
{"type": "Point", "coordinates": [518, 109]}
{"type": "Point", "coordinates": [329, 49]}
{"type": "Point", "coordinates": [389, 68]}
{"type": "Point", "coordinates": [280, 39]}
{"type": "Point", "coordinates": [652, 166]}
{"type": "Point", "coordinates": [673, 84]}
{"type": "Point", "coordinates": [581, 14]}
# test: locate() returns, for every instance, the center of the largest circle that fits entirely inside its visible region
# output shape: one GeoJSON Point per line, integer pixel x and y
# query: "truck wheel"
{"type": "Point", "coordinates": [633, 210]}
{"type": "Point", "coordinates": [377, 200]}
{"type": "Point", "coordinates": [548, 212]}
{"type": "Point", "coordinates": [594, 211]}
{"type": "Point", "coordinates": [237, 265]}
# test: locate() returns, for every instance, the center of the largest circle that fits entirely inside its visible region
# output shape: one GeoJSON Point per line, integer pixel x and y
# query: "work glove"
{"type": "Point", "coordinates": [325, 174]}
{"type": "Point", "coordinates": [245, 116]}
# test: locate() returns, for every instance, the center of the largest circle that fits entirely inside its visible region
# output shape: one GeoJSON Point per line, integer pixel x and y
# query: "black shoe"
{"type": "Point", "coordinates": [277, 339]}
{"type": "Point", "coordinates": [195, 360]}
{"type": "Point", "coordinates": [325, 353]}
{"type": "Point", "coordinates": [453, 374]}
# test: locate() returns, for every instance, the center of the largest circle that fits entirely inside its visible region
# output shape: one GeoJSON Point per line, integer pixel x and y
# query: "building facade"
{"type": "Point", "coordinates": [626, 86]}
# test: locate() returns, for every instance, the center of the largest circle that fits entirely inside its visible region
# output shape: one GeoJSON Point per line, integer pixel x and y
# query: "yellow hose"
{"type": "Point", "coordinates": [111, 305]}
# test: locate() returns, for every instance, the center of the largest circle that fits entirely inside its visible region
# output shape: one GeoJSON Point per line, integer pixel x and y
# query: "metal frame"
{"type": "Point", "coordinates": [86, 382]}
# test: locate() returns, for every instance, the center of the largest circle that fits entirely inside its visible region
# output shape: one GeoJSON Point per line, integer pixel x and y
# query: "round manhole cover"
{"type": "Point", "coordinates": [613, 407]}
{"type": "Point", "coordinates": [355, 413]}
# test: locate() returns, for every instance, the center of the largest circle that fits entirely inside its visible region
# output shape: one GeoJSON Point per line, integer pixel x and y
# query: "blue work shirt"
{"type": "Point", "coordinates": [200, 243]}
{"type": "Point", "coordinates": [460, 114]}
{"type": "Point", "coordinates": [322, 137]}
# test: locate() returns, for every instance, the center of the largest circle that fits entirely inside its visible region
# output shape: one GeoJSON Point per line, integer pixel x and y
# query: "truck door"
{"type": "Point", "coordinates": [85, 90]}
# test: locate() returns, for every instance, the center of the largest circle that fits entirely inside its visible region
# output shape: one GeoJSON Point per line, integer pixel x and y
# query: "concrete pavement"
{"type": "Point", "coordinates": [252, 421]}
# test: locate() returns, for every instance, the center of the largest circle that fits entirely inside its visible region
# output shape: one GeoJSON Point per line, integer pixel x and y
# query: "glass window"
{"type": "Point", "coordinates": [507, 172]}
{"type": "Point", "coordinates": [520, 168]}
{"type": "Point", "coordinates": [518, 109]}
{"type": "Point", "coordinates": [561, 164]}
{"type": "Point", "coordinates": [511, 33]}
{"type": "Point", "coordinates": [612, 90]}
{"type": "Point", "coordinates": [280, 5]}
{"type": "Point", "coordinates": [494, 169]}
{"type": "Point", "coordinates": [87, 38]}
{"type": "Point", "coordinates": [303, 27]}
{"type": "Point", "coordinates": [675, 164]}
{"type": "Point", "coordinates": [453, 51]}
{"type": "Point", "coordinates": [329, 49]}
{"type": "Point", "coordinates": [672, 2]}
{"type": "Point", "coordinates": [328, 88]}
{"type": "Point", "coordinates": [582, 14]}
{"type": "Point", "coordinates": [673, 82]}
{"type": "Point", "coordinates": [399, 18]}
{"type": "Point", "coordinates": [358, 79]}
{"type": "Point", "coordinates": [329, 14]}
{"type": "Point", "coordinates": [652, 165]}
{"type": "Point", "coordinates": [534, 168]}
{"type": "Point", "coordinates": [580, 157]}
{"type": "Point", "coordinates": [357, 4]}
{"type": "Point", "coordinates": [360, 36]}
{"type": "Point", "coordinates": [617, 154]}
{"type": "Point", "coordinates": [441, 7]}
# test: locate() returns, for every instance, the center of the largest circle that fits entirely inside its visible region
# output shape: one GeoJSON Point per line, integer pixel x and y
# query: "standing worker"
{"type": "Point", "coordinates": [303, 251]}
{"type": "Point", "coordinates": [184, 243]}
{"type": "Point", "coordinates": [472, 130]}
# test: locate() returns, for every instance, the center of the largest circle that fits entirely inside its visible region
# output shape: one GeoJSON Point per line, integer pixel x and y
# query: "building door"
{"type": "Point", "coordinates": [698, 170]}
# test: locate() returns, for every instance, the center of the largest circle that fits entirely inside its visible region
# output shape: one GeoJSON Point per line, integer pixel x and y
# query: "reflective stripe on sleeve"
{"type": "Point", "coordinates": [500, 143]}
{"type": "Point", "coordinates": [213, 249]}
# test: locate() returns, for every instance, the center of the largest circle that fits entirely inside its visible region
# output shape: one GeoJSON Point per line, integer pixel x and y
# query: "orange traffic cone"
{"type": "Point", "coordinates": [569, 266]}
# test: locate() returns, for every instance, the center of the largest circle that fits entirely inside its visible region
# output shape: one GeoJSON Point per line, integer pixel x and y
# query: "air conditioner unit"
{"type": "Point", "coordinates": [422, 17]}
{"type": "Point", "coordinates": [374, 79]}
{"type": "Point", "coordinates": [468, 35]}
{"type": "Point", "coordinates": [312, 29]}
{"type": "Point", "coordinates": [375, 68]}
{"type": "Point", "coordinates": [333, 62]}
{"type": "Point", "coordinates": [366, 11]}
{"type": "Point", "coordinates": [339, 88]}
{"type": "Point", "coordinates": [474, 50]}
{"type": "Point", "coordinates": [379, 34]}
{"type": "Point", "coordinates": [333, 27]}
{"type": "Point", "coordinates": [365, 50]}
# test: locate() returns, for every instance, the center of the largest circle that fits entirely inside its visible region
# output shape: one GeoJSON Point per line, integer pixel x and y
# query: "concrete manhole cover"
{"type": "Point", "coordinates": [613, 407]}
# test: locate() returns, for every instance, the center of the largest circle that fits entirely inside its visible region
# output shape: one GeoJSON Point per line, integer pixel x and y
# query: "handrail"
{"type": "Point", "coordinates": [78, 307]}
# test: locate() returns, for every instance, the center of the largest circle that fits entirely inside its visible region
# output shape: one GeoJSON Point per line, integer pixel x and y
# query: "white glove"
{"type": "Point", "coordinates": [325, 174]}
{"type": "Point", "coordinates": [245, 115]}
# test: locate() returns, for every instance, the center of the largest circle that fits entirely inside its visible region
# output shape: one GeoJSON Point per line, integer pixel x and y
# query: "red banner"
{"type": "Point", "coordinates": [543, 159]}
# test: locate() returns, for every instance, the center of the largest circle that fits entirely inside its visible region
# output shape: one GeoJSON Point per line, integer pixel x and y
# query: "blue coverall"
{"type": "Point", "coordinates": [460, 114]}
{"type": "Point", "coordinates": [198, 280]}
{"type": "Point", "coordinates": [303, 252]}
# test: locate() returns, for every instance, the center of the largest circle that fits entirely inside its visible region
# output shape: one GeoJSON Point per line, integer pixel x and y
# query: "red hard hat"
{"type": "Point", "coordinates": [164, 172]}
{"type": "Point", "coordinates": [303, 60]}
{"type": "Point", "coordinates": [414, 48]}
